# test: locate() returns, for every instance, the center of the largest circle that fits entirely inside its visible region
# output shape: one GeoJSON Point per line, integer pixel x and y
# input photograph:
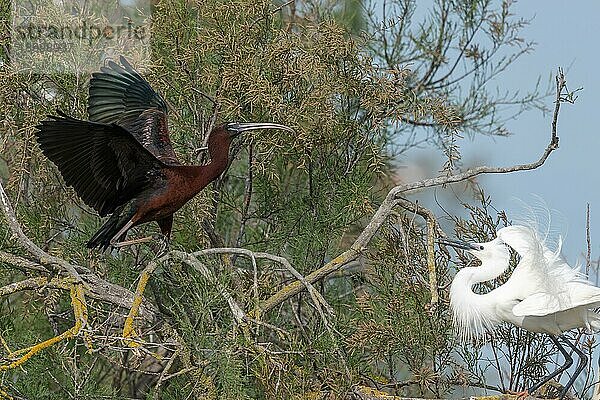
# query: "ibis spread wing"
{"type": "Point", "coordinates": [119, 95]}
{"type": "Point", "coordinates": [104, 163]}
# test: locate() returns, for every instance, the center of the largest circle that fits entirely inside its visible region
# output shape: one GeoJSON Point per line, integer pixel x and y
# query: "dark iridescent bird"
{"type": "Point", "coordinates": [121, 162]}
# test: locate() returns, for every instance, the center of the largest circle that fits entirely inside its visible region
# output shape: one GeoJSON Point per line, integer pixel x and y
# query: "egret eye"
{"type": "Point", "coordinates": [480, 247]}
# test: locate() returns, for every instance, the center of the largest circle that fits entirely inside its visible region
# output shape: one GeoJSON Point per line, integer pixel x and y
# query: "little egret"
{"type": "Point", "coordinates": [543, 294]}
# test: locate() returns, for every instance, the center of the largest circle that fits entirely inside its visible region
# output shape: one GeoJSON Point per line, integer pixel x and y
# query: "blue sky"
{"type": "Point", "coordinates": [566, 34]}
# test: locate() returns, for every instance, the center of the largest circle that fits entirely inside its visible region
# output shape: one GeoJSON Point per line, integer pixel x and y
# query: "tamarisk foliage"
{"type": "Point", "coordinates": [303, 272]}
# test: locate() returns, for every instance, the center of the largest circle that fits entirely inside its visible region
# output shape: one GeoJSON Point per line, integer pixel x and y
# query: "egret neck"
{"type": "Point", "coordinates": [475, 313]}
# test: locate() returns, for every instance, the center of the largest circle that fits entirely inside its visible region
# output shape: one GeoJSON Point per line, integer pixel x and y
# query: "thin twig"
{"type": "Point", "coordinates": [433, 230]}
{"type": "Point", "coordinates": [281, 7]}
{"type": "Point", "coordinates": [588, 256]}
{"type": "Point", "coordinates": [317, 298]}
{"type": "Point", "coordinates": [433, 285]}
{"type": "Point", "coordinates": [247, 198]}
{"type": "Point", "coordinates": [192, 261]}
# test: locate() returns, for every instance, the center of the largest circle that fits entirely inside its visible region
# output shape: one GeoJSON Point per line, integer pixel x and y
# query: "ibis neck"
{"type": "Point", "coordinates": [201, 175]}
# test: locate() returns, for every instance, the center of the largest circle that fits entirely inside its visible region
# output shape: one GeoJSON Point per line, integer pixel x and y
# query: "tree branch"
{"type": "Point", "coordinates": [393, 198]}
{"type": "Point", "coordinates": [21, 262]}
{"type": "Point", "coordinates": [95, 287]}
{"type": "Point", "coordinates": [32, 248]}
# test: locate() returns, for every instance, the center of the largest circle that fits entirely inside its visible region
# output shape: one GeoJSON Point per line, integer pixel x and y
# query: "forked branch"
{"type": "Point", "coordinates": [393, 199]}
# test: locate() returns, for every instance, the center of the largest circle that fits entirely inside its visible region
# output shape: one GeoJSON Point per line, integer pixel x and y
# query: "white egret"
{"type": "Point", "coordinates": [543, 294]}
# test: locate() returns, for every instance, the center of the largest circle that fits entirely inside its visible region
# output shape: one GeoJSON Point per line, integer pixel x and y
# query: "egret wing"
{"type": "Point", "coordinates": [104, 163]}
{"type": "Point", "coordinates": [575, 294]}
{"type": "Point", "coordinates": [530, 274]}
{"type": "Point", "coordinates": [119, 95]}
{"type": "Point", "coordinates": [537, 305]}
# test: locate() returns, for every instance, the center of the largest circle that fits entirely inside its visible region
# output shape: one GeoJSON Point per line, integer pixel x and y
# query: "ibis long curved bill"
{"type": "Point", "coordinates": [235, 128]}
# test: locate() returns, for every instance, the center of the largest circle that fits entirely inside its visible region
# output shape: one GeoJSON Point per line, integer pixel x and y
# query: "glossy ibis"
{"type": "Point", "coordinates": [121, 161]}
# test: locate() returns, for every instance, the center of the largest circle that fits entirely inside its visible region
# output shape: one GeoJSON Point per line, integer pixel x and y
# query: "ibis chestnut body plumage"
{"type": "Point", "coordinates": [121, 162]}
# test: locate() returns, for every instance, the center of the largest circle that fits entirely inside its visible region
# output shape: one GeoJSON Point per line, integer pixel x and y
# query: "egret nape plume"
{"type": "Point", "coordinates": [543, 294]}
{"type": "Point", "coordinates": [121, 161]}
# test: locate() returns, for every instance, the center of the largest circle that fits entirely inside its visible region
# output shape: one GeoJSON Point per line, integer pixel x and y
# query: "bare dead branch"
{"type": "Point", "coordinates": [32, 248]}
{"type": "Point", "coordinates": [588, 239]}
{"type": "Point", "coordinates": [192, 261]}
{"type": "Point", "coordinates": [393, 199]}
{"type": "Point", "coordinates": [21, 262]}
{"type": "Point", "coordinates": [317, 298]}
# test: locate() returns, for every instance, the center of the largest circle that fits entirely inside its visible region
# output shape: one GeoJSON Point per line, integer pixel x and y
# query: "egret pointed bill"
{"type": "Point", "coordinates": [459, 244]}
{"type": "Point", "coordinates": [236, 128]}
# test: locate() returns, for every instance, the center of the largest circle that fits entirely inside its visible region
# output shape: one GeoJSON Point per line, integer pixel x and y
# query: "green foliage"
{"type": "Point", "coordinates": [303, 196]}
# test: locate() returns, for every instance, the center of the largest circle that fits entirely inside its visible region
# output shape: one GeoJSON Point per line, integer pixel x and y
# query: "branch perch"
{"type": "Point", "coordinates": [42, 256]}
{"type": "Point", "coordinates": [393, 198]}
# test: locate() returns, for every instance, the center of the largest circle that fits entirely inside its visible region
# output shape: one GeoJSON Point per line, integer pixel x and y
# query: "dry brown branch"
{"type": "Point", "coordinates": [393, 199]}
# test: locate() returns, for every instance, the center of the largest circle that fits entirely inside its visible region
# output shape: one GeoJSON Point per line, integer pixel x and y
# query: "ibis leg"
{"type": "Point", "coordinates": [115, 228]}
{"type": "Point", "coordinates": [583, 359]}
{"type": "Point", "coordinates": [132, 241]}
{"type": "Point", "coordinates": [162, 246]}
{"type": "Point", "coordinates": [166, 225]}
{"type": "Point", "coordinates": [565, 366]}
{"type": "Point", "coordinates": [121, 232]}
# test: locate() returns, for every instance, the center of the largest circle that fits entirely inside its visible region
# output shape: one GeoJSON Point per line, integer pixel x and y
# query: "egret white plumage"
{"type": "Point", "coordinates": [544, 294]}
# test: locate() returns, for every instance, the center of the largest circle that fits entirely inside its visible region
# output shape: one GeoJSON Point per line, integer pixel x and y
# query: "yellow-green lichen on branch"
{"type": "Point", "coordinates": [80, 312]}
